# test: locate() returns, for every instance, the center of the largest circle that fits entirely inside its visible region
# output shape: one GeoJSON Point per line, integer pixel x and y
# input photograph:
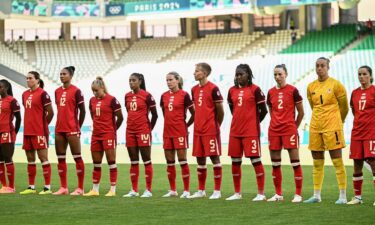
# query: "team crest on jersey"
{"type": "Point", "coordinates": [47, 96]}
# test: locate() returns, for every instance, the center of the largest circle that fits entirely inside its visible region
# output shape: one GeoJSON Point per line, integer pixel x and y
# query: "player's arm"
{"type": "Point", "coordinates": [188, 103]}
{"type": "Point", "coordinates": [352, 104]}
{"type": "Point", "coordinates": [269, 103]}
{"type": "Point", "coordinates": [154, 113]}
{"type": "Point", "coordinates": [219, 108]}
{"type": "Point", "coordinates": [17, 115]}
{"type": "Point", "coordinates": [162, 104]}
{"type": "Point", "coordinates": [261, 104]}
{"type": "Point", "coordinates": [81, 107]}
{"type": "Point", "coordinates": [342, 100]}
{"type": "Point", "coordinates": [299, 106]}
{"type": "Point", "coordinates": [309, 98]}
{"type": "Point", "coordinates": [49, 111]}
{"type": "Point", "coordinates": [230, 102]}
{"type": "Point", "coordinates": [90, 109]}
{"type": "Point", "coordinates": [119, 118]}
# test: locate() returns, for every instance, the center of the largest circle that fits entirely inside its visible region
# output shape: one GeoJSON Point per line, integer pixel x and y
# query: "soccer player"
{"type": "Point", "coordinates": [362, 146]}
{"type": "Point", "coordinates": [38, 114]}
{"type": "Point", "coordinates": [283, 100]}
{"type": "Point", "coordinates": [248, 107]}
{"type": "Point", "coordinates": [69, 100]}
{"type": "Point", "coordinates": [208, 103]}
{"type": "Point", "coordinates": [9, 109]}
{"type": "Point", "coordinates": [174, 104]}
{"type": "Point", "coordinates": [138, 104]}
{"type": "Point", "coordinates": [329, 104]}
{"type": "Point", "coordinates": [107, 117]}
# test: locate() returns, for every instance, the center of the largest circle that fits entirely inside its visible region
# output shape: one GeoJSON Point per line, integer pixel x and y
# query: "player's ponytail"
{"type": "Point", "coordinates": [141, 78]}
{"type": "Point", "coordinates": [282, 66]}
{"type": "Point", "coordinates": [37, 77]}
{"type": "Point", "coordinates": [369, 70]}
{"type": "Point", "coordinates": [249, 72]}
{"type": "Point", "coordinates": [8, 86]}
{"type": "Point", "coordinates": [100, 83]}
{"type": "Point", "coordinates": [179, 78]}
{"type": "Point", "coordinates": [70, 69]}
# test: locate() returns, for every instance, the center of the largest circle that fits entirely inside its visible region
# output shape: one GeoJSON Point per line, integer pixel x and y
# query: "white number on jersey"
{"type": "Point", "coordinates": [362, 104]}
{"type": "Point", "coordinates": [133, 106]}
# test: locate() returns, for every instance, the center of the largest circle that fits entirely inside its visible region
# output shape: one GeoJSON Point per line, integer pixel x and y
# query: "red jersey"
{"type": "Point", "coordinates": [204, 98]}
{"type": "Point", "coordinates": [282, 102]}
{"type": "Point", "coordinates": [8, 106]}
{"type": "Point", "coordinates": [35, 121]}
{"type": "Point", "coordinates": [103, 116]}
{"type": "Point", "coordinates": [138, 105]}
{"type": "Point", "coordinates": [362, 103]}
{"type": "Point", "coordinates": [174, 106]}
{"type": "Point", "coordinates": [67, 101]}
{"type": "Point", "coordinates": [245, 120]}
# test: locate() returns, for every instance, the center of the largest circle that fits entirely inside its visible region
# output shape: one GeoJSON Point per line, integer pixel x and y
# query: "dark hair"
{"type": "Point", "coordinates": [205, 67]}
{"type": "Point", "coordinates": [369, 71]}
{"type": "Point", "coordinates": [249, 72]}
{"type": "Point", "coordinates": [177, 77]}
{"type": "Point", "coordinates": [326, 59]}
{"type": "Point", "coordinates": [100, 83]}
{"type": "Point", "coordinates": [141, 78]}
{"type": "Point", "coordinates": [8, 86]}
{"type": "Point", "coordinates": [37, 77]}
{"type": "Point", "coordinates": [70, 69]}
{"type": "Point", "coordinates": [282, 66]}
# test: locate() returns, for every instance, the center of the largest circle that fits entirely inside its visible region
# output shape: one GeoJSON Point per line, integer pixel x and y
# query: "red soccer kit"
{"type": "Point", "coordinates": [206, 127]}
{"type": "Point", "coordinates": [35, 122]}
{"type": "Point", "coordinates": [138, 129]}
{"type": "Point", "coordinates": [362, 143]}
{"type": "Point", "coordinates": [175, 106]}
{"type": "Point", "coordinates": [245, 127]}
{"type": "Point", "coordinates": [67, 101]}
{"type": "Point", "coordinates": [282, 131]}
{"type": "Point", "coordinates": [104, 122]}
{"type": "Point", "coordinates": [8, 106]}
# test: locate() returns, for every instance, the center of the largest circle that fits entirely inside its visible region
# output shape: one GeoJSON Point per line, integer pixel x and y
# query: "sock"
{"type": "Point", "coordinates": [31, 171]}
{"type": "Point", "coordinates": [317, 194]}
{"type": "Point", "coordinates": [113, 174]}
{"type": "Point", "coordinates": [46, 173]}
{"type": "Point", "coordinates": [202, 175]}
{"type": "Point", "coordinates": [218, 176]}
{"type": "Point", "coordinates": [357, 184]}
{"type": "Point", "coordinates": [61, 167]}
{"type": "Point", "coordinates": [259, 173]}
{"type": "Point", "coordinates": [2, 174]}
{"type": "Point", "coordinates": [236, 174]}
{"type": "Point", "coordinates": [80, 170]}
{"type": "Point", "coordinates": [185, 172]}
{"type": "Point", "coordinates": [10, 173]}
{"type": "Point", "coordinates": [171, 171]}
{"type": "Point", "coordinates": [318, 173]}
{"type": "Point", "coordinates": [149, 171]}
{"type": "Point", "coordinates": [96, 176]}
{"type": "Point", "coordinates": [298, 176]}
{"type": "Point", "coordinates": [95, 187]}
{"type": "Point", "coordinates": [134, 174]}
{"type": "Point", "coordinates": [340, 173]}
{"type": "Point", "coordinates": [277, 176]}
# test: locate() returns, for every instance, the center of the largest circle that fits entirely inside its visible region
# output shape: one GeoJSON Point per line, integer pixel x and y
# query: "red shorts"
{"type": "Point", "coordinates": [103, 145]}
{"type": "Point", "coordinates": [248, 146]}
{"type": "Point", "coordinates": [7, 138]}
{"type": "Point", "coordinates": [68, 134]}
{"type": "Point", "coordinates": [362, 149]}
{"type": "Point", "coordinates": [35, 142]}
{"type": "Point", "coordinates": [286, 142]}
{"type": "Point", "coordinates": [174, 143]}
{"type": "Point", "coordinates": [204, 146]}
{"type": "Point", "coordinates": [138, 140]}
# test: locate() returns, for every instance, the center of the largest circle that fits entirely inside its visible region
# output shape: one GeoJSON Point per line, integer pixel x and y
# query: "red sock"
{"type": "Point", "coordinates": [113, 174]}
{"type": "Point", "coordinates": [298, 176]}
{"type": "Point", "coordinates": [259, 173]}
{"type": "Point", "coordinates": [46, 172]}
{"type": "Point", "coordinates": [185, 172]}
{"type": "Point", "coordinates": [134, 174]}
{"type": "Point", "coordinates": [31, 171]}
{"type": "Point", "coordinates": [10, 172]}
{"type": "Point", "coordinates": [236, 174]}
{"type": "Point", "coordinates": [80, 170]}
{"type": "Point", "coordinates": [202, 175]}
{"type": "Point", "coordinates": [61, 167]}
{"type": "Point", "coordinates": [277, 176]}
{"type": "Point", "coordinates": [97, 173]}
{"type": "Point", "coordinates": [2, 174]}
{"type": "Point", "coordinates": [218, 176]}
{"type": "Point", "coordinates": [149, 172]}
{"type": "Point", "coordinates": [357, 183]}
{"type": "Point", "coordinates": [171, 171]}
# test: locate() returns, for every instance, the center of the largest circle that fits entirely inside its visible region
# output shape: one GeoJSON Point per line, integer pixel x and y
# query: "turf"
{"type": "Point", "coordinates": [34, 209]}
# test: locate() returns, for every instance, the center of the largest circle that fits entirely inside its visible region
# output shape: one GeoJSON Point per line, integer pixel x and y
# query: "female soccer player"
{"type": "Point", "coordinates": [138, 104]}
{"type": "Point", "coordinates": [283, 100]}
{"type": "Point", "coordinates": [208, 103]}
{"type": "Point", "coordinates": [362, 145]}
{"type": "Point", "coordinates": [174, 104]}
{"type": "Point", "coordinates": [38, 114]}
{"type": "Point", "coordinates": [247, 104]}
{"type": "Point", "coordinates": [69, 100]}
{"type": "Point", "coordinates": [329, 104]}
{"type": "Point", "coordinates": [9, 108]}
{"type": "Point", "coordinates": [107, 117]}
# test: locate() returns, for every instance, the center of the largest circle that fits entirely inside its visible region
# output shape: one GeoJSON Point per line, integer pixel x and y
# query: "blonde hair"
{"type": "Point", "coordinates": [100, 83]}
{"type": "Point", "coordinates": [177, 77]}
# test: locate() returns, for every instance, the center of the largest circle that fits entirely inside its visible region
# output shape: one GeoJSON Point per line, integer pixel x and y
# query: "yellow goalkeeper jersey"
{"type": "Point", "coordinates": [324, 98]}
